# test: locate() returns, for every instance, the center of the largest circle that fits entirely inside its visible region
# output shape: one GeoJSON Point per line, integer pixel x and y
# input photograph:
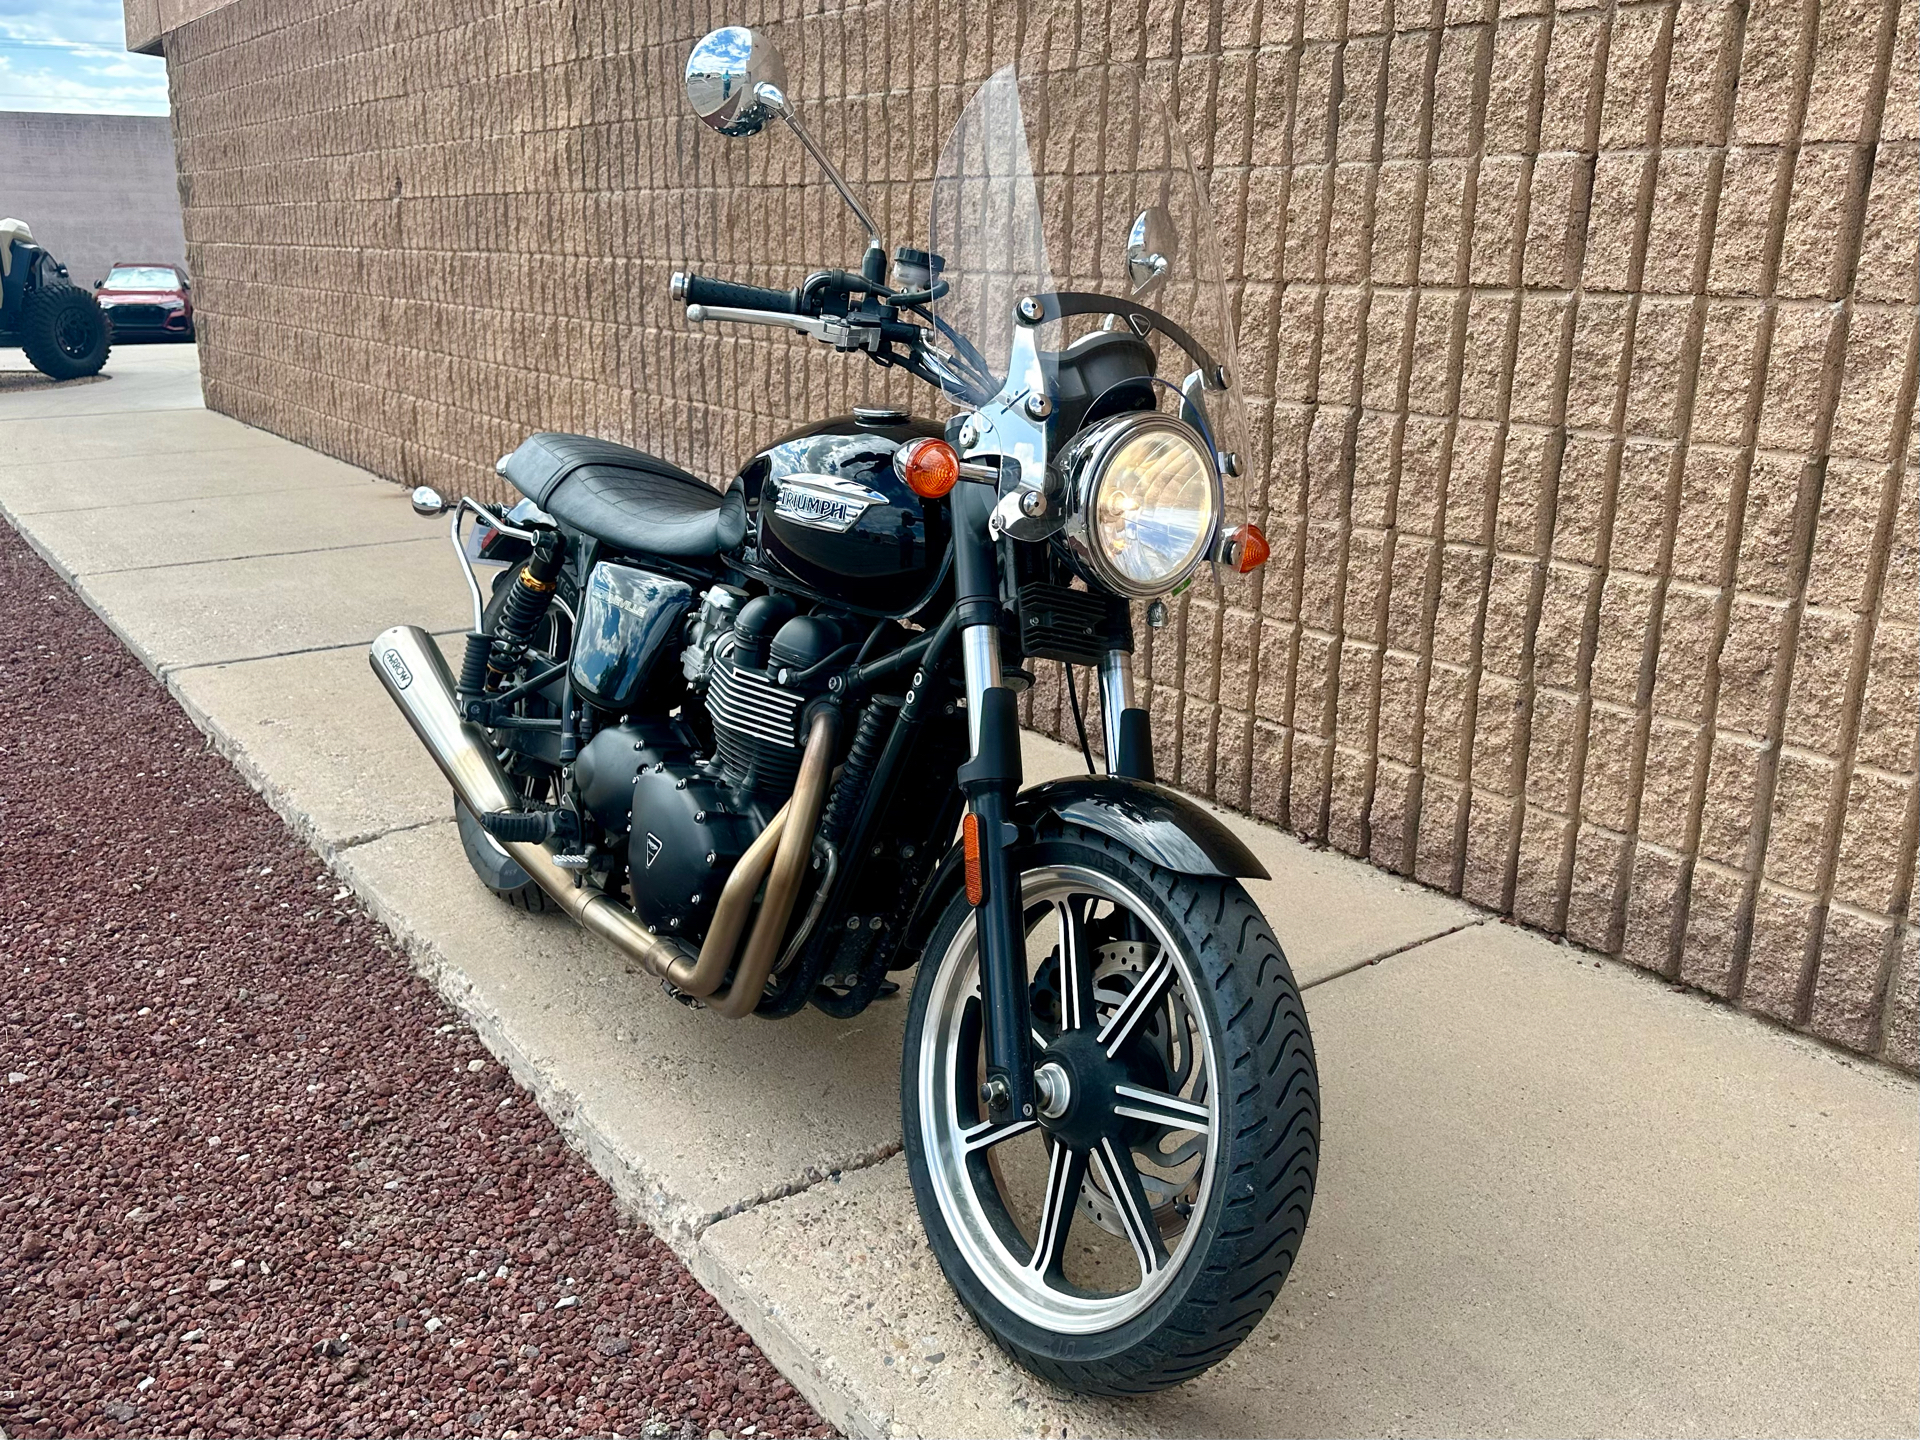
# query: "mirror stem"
{"type": "Point", "coordinates": [775, 99]}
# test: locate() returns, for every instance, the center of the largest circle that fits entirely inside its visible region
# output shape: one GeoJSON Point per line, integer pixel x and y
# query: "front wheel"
{"type": "Point", "coordinates": [1136, 1231]}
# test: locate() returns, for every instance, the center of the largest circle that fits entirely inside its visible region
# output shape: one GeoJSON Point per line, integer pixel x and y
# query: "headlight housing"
{"type": "Point", "coordinates": [1144, 502]}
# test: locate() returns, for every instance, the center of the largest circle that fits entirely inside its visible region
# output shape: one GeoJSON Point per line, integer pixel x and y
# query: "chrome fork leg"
{"type": "Point", "coordinates": [980, 667]}
{"type": "Point", "coordinates": [991, 779]}
{"type": "Point", "coordinates": [1116, 698]}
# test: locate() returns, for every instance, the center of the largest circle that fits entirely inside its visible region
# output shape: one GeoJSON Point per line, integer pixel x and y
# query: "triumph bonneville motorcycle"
{"type": "Point", "coordinates": [763, 740]}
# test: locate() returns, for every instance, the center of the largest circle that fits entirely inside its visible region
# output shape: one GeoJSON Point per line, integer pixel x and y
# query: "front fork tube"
{"type": "Point", "coordinates": [1129, 734]}
{"type": "Point", "coordinates": [991, 779]}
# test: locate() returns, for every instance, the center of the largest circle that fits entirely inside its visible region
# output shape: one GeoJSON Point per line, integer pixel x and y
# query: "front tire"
{"type": "Point", "coordinates": [1133, 1240]}
{"type": "Point", "coordinates": [63, 332]}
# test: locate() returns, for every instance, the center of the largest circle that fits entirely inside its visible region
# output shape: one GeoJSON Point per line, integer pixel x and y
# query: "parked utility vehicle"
{"type": "Point", "coordinates": [58, 324]}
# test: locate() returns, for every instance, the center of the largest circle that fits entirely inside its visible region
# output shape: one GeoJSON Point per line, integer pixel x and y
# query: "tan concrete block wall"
{"type": "Point", "coordinates": [1582, 344]}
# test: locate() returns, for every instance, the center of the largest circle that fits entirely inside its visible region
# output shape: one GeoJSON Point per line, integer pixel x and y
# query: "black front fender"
{"type": "Point", "coordinates": [1161, 824]}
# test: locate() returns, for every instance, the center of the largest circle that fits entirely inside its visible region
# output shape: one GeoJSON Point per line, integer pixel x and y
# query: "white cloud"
{"type": "Point", "coordinates": [70, 55]}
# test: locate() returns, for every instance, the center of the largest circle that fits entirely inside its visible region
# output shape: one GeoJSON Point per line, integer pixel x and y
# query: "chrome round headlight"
{"type": "Point", "coordinates": [1145, 502]}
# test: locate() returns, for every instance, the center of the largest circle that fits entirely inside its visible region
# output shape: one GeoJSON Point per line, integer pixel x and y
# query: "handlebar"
{"type": "Point", "coordinates": [820, 308]}
{"type": "Point", "coordinates": [698, 290]}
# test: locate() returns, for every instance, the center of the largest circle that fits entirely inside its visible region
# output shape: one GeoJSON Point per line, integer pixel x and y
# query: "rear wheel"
{"type": "Point", "coordinates": [63, 332]}
{"type": "Point", "coordinates": [497, 870]}
{"type": "Point", "coordinates": [1135, 1231]}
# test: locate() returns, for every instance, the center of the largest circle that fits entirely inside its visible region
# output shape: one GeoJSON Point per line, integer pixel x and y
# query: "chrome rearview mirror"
{"type": "Point", "coordinates": [725, 74]}
{"type": "Point", "coordinates": [736, 82]}
{"type": "Point", "coordinates": [1152, 244]}
{"type": "Point", "coordinates": [427, 501]}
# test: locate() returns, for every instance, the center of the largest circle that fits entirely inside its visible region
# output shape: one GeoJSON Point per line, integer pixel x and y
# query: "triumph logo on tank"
{"type": "Point", "coordinates": [823, 502]}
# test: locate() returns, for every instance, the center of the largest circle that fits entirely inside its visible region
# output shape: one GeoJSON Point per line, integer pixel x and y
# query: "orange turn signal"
{"type": "Point", "coordinates": [929, 467]}
{"type": "Point", "coordinates": [970, 847]}
{"type": "Point", "coordinates": [1246, 548]}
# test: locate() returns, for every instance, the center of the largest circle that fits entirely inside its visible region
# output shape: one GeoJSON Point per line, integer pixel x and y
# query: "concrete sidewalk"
{"type": "Point", "coordinates": [1556, 1197]}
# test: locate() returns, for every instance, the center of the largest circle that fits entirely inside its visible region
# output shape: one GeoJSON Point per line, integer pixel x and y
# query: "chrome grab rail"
{"type": "Point", "coordinates": [493, 518]}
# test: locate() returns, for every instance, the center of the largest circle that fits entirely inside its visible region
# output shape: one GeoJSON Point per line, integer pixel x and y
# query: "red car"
{"type": "Point", "coordinates": [142, 299]}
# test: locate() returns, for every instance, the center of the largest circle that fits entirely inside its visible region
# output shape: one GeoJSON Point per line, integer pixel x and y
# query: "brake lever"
{"type": "Point", "coordinates": [805, 324]}
{"type": "Point", "coordinates": [841, 333]}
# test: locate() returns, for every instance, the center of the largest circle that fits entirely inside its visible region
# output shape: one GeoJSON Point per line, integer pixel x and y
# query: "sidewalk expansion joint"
{"type": "Point", "coordinates": [813, 1175]}
{"type": "Point", "coordinates": [143, 453]}
{"type": "Point", "coordinates": [65, 415]}
{"type": "Point", "coordinates": [198, 500]}
{"type": "Point", "coordinates": [1373, 960]}
{"type": "Point", "coordinates": [367, 837]}
{"type": "Point", "coordinates": [167, 672]}
{"type": "Point", "coordinates": [260, 555]}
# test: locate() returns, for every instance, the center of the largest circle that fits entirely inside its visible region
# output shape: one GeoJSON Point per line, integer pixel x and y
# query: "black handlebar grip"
{"type": "Point", "coordinates": [698, 290]}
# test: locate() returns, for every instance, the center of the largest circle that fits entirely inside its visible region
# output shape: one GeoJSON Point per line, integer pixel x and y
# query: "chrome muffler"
{"type": "Point", "coordinates": [415, 675]}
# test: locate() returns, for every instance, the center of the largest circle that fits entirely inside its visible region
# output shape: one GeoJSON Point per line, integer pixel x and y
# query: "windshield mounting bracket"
{"type": "Point", "coordinates": [1013, 426]}
{"type": "Point", "coordinates": [1064, 304]}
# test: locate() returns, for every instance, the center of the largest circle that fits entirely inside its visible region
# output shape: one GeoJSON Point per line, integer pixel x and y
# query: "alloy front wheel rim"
{"type": "Point", "coordinates": [1024, 1199]}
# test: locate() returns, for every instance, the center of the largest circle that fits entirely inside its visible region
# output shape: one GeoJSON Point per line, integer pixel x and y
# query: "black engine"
{"type": "Point", "coordinates": [760, 664]}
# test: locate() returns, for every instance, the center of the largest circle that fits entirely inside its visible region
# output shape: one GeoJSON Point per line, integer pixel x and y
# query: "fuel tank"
{"type": "Point", "coordinates": [834, 516]}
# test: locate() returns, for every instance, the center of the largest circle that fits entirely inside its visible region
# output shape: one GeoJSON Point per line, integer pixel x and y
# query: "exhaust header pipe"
{"type": "Point", "coordinates": [415, 675]}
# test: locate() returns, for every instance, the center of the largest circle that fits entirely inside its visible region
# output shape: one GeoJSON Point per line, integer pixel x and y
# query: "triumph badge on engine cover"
{"type": "Point", "coordinates": [687, 835]}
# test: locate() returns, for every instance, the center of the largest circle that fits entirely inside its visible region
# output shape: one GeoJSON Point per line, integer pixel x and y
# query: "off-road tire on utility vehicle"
{"type": "Point", "coordinates": [64, 332]}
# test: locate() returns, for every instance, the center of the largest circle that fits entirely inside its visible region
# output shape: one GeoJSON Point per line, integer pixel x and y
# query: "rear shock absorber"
{"type": "Point", "coordinates": [527, 602]}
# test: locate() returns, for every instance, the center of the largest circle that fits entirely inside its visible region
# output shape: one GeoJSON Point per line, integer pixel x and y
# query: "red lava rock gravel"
{"type": "Point", "coordinates": [254, 1177]}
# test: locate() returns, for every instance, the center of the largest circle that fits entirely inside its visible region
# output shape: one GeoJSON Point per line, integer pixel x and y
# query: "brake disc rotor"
{"type": "Point", "coordinates": [1121, 964]}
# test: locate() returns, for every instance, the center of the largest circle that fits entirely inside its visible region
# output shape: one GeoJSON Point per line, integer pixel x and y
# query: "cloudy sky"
{"type": "Point", "coordinates": [71, 55]}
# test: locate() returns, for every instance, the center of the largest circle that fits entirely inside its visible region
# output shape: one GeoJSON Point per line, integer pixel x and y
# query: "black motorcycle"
{"type": "Point", "coordinates": [763, 740]}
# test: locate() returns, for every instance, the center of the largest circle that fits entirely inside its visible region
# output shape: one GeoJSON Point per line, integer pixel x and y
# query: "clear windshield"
{"type": "Point", "coordinates": [1065, 173]}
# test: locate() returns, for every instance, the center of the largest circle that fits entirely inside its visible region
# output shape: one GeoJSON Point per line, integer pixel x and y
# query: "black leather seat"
{"type": "Point", "coordinates": [628, 498]}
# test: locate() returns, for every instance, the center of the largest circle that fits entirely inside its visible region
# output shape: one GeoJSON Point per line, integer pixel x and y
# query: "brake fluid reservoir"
{"type": "Point", "coordinates": [627, 616]}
